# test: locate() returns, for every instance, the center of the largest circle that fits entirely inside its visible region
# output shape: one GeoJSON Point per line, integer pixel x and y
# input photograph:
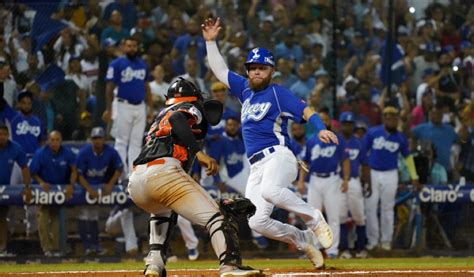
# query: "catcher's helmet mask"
{"type": "Point", "coordinates": [183, 90]}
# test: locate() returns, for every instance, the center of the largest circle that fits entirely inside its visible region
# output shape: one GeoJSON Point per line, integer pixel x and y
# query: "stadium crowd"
{"type": "Point", "coordinates": [54, 60]}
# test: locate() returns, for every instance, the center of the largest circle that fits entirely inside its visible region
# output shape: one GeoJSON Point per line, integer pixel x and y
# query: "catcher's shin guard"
{"type": "Point", "coordinates": [161, 228]}
{"type": "Point", "coordinates": [226, 221]}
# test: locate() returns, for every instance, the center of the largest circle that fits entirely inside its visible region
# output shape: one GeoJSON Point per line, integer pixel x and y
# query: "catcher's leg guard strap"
{"type": "Point", "coordinates": [228, 226]}
{"type": "Point", "coordinates": [161, 229]}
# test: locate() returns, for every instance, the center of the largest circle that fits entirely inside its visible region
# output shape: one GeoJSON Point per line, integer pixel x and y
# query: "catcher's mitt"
{"type": "Point", "coordinates": [237, 208]}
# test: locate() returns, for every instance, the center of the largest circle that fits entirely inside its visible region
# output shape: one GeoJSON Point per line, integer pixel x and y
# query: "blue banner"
{"type": "Point", "coordinates": [447, 194]}
{"type": "Point", "coordinates": [12, 195]}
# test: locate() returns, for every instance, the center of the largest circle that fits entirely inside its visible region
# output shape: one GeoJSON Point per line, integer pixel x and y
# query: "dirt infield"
{"type": "Point", "coordinates": [266, 273]}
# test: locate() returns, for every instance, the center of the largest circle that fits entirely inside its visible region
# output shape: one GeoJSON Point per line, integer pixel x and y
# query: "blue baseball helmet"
{"type": "Point", "coordinates": [260, 55]}
{"type": "Point", "coordinates": [346, 117]}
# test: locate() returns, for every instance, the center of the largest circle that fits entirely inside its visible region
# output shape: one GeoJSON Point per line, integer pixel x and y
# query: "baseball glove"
{"type": "Point", "coordinates": [237, 208]}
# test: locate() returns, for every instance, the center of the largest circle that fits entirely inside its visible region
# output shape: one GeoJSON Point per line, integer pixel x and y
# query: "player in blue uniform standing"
{"type": "Point", "coordinates": [52, 164]}
{"type": "Point", "coordinates": [385, 143]}
{"type": "Point", "coordinates": [97, 164]}
{"type": "Point", "coordinates": [27, 129]}
{"type": "Point", "coordinates": [325, 187]}
{"type": "Point", "coordinates": [10, 152]}
{"type": "Point", "coordinates": [266, 109]}
{"type": "Point", "coordinates": [353, 199]}
{"type": "Point", "coordinates": [129, 74]}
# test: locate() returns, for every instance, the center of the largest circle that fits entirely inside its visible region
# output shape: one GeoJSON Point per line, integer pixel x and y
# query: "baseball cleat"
{"type": "Point", "coordinates": [153, 271]}
{"type": "Point", "coordinates": [362, 254]}
{"type": "Point", "coordinates": [346, 254]}
{"type": "Point", "coordinates": [323, 232]}
{"type": "Point", "coordinates": [231, 270]}
{"type": "Point", "coordinates": [193, 254]}
{"type": "Point", "coordinates": [311, 250]}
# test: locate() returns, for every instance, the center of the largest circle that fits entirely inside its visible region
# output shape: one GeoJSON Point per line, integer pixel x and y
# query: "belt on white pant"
{"type": "Point", "coordinates": [260, 155]}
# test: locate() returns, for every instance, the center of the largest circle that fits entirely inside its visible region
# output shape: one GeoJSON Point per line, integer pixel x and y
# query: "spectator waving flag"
{"type": "Point", "coordinates": [397, 68]}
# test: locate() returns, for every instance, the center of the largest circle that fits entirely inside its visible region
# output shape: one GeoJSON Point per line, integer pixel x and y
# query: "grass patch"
{"type": "Point", "coordinates": [354, 264]}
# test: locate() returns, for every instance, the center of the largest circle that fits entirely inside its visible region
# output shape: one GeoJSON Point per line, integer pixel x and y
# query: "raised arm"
{"type": "Point", "coordinates": [210, 31]}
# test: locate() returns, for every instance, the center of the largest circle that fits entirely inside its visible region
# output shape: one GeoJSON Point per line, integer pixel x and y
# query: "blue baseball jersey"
{"type": "Point", "coordinates": [325, 157]}
{"type": "Point", "coordinates": [231, 151]}
{"type": "Point", "coordinates": [298, 150]}
{"type": "Point", "coordinates": [384, 148]}
{"type": "Point", "coordinates": [98, 168]}
{"type": "Point", "coordinates": [129, 77]}
{"type": "Point", "coordinates": [357, 154]}
{"type": "Point", "coordinates": [265, 113]}
{"type": "Point", "coordinates": [28, 131]}
{"type": "Point", "coordinates": [53, 168]}
{"type": "Point", "coordinates": [10, 154]}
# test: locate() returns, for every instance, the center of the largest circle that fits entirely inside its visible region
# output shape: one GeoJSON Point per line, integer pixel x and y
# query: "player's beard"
{"type": "Point", "coordinates": [298, 137]}
{"type": "Point", "coordinates": [391, 130]}
{"type": "Point", "coordinates": [260, 86]}
{"type": "Point", "coordinates": [131, 56]}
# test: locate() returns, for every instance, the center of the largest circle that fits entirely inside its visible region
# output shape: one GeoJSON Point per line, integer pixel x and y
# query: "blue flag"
{"type": "Point", "coordinates": [397, 68]}
{"type": "Point", "coordinates": [43, 30]}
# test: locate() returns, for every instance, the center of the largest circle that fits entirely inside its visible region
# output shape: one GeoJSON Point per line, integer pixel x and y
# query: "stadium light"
{"type": "Point", "coordinates": [412, 9]}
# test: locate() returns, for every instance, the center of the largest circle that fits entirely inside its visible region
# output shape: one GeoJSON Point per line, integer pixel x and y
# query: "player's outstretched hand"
{"type": "Point", "coordinates": [210, 28]}
{"type": "Point", "coordinates": [328, 136]}
{"type": "Point", "coordinates": [209, 163]}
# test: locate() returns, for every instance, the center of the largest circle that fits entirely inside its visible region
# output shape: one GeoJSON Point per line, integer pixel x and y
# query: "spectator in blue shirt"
{"type": "Point", "coordinates": [305, 83]}
{"type": "Point", "coordinates": [115, 32]}
{"type": "Point", "coordinates": [52, 164]}
{"type": "Point", "coordinates": [442, 136]}
{"type": "Point", "coordinates": [98, 164]}
{"type": "Point", "coordinates": [289, 48]}
{"type": "Point", "coordinates": [10, 152]}
{"type": "Point", "coordinates": [181, 44]}
{"type": "Point", "coordinates": [126, 8]}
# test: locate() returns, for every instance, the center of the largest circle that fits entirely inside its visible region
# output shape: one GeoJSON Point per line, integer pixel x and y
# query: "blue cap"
{"type": "Point", "coordinates": [346, 117]}
{"type": "Point", "coordinates": [260, 55]}
{"type": "Point", "coordinates": [97, 132]}
{"type": "Point", "coordinates": [109, 42]}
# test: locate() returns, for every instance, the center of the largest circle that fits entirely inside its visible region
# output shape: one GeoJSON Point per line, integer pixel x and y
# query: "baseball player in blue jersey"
{"type": "Point", "coordinates": [229, 150]}
{"type": "Point", "coordinates": [10, 153]}
{"type": "Point", "coordinates": [97, 164]}
{"type": "Point", "coordinates": [266, 109]}
{"type": "Point", "coordinates": [385, 143]}
{"type": "Point", "coordinates": [27, 129]}
{"type": "Point", "coordinates": [353, 199]}
{"type": "Point", "coordinates": [129, 74]}
{"type": "Point", "coordinates": [325, 187]}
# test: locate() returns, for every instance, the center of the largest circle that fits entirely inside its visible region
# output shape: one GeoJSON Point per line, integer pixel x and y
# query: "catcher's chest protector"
{"type": "Point", "coordinates": [160, 141]}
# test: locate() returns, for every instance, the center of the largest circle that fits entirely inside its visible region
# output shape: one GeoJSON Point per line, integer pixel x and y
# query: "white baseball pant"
{"type": "Point", "coordinates": [268, 187]}
{"type": "Point", "coordinates": [384, 188]}
{"type": "Point", "coordinates": [353, 201]}
{"type": "Point", "coordinates": [326, 193]}
{"type": "Point", "coordinates": [187, 232]}
{"type": "Point", "coordinates": [129, 127]}
{"type": "Point", "coordinates": [122, 221]}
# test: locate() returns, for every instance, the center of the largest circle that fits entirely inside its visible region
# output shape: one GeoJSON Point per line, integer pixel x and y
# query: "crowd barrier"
{"type": "Point", "coordinates": [11, 195]}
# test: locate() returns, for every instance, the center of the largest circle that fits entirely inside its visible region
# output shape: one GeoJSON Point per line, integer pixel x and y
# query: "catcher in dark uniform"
{"type": "Point", "coordinates": [161, 186]}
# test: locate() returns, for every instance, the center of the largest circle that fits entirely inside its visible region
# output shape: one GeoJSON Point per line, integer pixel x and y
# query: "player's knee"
{"type": "Point", "coordinates": [257, 223]}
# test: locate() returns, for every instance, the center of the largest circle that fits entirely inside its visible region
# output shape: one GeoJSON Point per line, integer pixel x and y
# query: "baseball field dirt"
{"type": "Point", "coordinates": [271, 267]}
